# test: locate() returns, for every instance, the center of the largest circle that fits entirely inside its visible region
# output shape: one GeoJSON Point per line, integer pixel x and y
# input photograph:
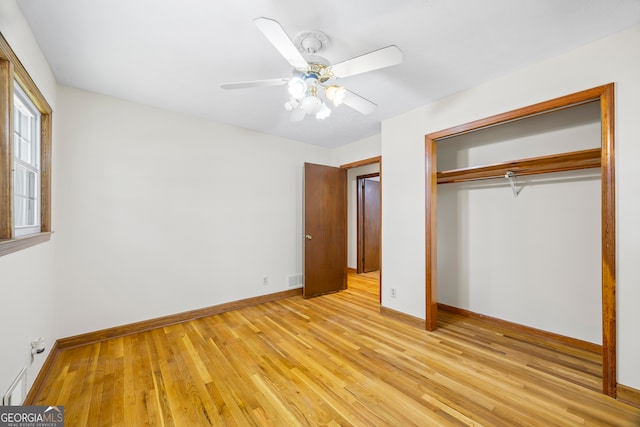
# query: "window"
{"type": "Point", "coordinates": [26, 164]}
{"type": "Point", "coordinates": [25, 157]}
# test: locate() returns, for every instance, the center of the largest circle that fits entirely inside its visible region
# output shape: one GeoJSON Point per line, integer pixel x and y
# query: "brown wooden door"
{"type": "Point", "coordinates": [371, 225]}
{"type": "Point", "coordinates": [325, 223]}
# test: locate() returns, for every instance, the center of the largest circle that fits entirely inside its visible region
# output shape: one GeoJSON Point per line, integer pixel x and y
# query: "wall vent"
{"type": "Point", "coordinates": [295, 280]}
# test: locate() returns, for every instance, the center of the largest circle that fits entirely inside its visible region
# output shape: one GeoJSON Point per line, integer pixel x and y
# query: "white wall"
{"type": "Point", "coordinates": [161, 213]}
{"type": "Point", "coordinates": [403, 221]}
{"type": "Point", "coordinates": [613, 59]}
{"type": "Point", "coordinates": [366, 148]}
{"type": "Point", "coordinates": [26, 278]}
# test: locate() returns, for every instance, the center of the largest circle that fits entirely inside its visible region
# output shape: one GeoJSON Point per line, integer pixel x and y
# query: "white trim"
{"type": "Point", "coordinates": [26, 107]}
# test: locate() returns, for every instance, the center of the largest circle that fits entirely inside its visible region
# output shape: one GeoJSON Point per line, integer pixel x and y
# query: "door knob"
{"type": "Point", "coordinates": [307, 236]}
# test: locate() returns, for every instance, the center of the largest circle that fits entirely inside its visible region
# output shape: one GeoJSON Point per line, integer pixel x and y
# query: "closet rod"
{"type": "Point", "coordinates": [573, 160]}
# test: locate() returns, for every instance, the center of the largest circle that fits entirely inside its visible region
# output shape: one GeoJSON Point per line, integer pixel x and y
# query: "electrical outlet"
{"type": "Point", "coordinates": [393, 292]}
{"type": "Point", "coordinates": [265, 281]}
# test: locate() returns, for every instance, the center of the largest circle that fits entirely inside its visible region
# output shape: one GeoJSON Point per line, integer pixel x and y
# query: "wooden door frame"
{"type": "Point", "coordinates": [359, 220]}
{"type": "Point", "coordinates": [605, 96]}
{"type": "Point", "coordinates": [365, 162]}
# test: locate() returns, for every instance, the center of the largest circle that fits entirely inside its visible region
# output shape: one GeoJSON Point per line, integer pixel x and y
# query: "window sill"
{"type": "Point", "coordinates": [15, 245]}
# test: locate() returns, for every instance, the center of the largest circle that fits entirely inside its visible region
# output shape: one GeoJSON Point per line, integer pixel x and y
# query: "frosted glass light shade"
{"type": "Point", "coordinates": [324, 112]}
{"type": "Point", "coordinates": [311, 104]}
{"type": "Point", "coordinates": [297, 87]}
{"type": "Point", "coordinates": [335, 94]}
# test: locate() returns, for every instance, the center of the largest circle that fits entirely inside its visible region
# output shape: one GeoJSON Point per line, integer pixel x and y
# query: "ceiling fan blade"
{"type": "Point", "coordinates": [274, 32]}
{"type": "Point", "coordinates": [381, 58]}
{"type": "Point", "coordinates": [358, 103]}
{"type": "Point", "coordinates": [255, 83]}
{"type": "Point", "coordinates": [297, 115]}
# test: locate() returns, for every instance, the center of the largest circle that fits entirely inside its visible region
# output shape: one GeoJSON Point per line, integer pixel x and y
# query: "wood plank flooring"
{"type": "Point", "coordinates": [332, 360]}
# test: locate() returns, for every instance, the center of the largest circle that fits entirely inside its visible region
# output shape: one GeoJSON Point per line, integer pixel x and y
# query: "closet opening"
{"type": "Point", "coordinates": [532, 166]}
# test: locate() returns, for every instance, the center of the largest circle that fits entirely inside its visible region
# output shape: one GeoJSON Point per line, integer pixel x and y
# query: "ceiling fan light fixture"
{"type": "Point", "coordinates": [311, 105]}
{"type": "Point", "coordinates": [335, 94]}
{"type": "Point", "coordinates": [292, 104]}
{"type": "Point", "coordinates": [324, 112]}
{"type": "Point", "coordinates": [311, 71]}
{"type": "Point", "coordinates": [297, 87]}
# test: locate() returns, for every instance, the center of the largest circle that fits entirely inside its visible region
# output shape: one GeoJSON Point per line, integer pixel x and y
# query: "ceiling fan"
{"type": "Point", "coordinates": [312, 78]}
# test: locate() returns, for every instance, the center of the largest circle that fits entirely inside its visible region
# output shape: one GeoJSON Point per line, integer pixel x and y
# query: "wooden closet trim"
{"type": "Point", "coordinates": [605, 96]}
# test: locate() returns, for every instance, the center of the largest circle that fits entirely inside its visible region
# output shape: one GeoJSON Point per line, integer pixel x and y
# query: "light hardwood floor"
{"type": "Point", "coordinates": [332, 360]}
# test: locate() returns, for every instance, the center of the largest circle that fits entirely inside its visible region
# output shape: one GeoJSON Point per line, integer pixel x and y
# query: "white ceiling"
{"type": "Point", "coordinates": [174, 54]}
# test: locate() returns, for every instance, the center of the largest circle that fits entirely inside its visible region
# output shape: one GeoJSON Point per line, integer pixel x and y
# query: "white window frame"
{"type": "Point", "coordinates": [23, 104]}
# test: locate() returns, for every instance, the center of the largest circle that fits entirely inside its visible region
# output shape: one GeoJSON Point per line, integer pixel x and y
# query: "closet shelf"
{"type": "Point", "coordinates": [574, 160]}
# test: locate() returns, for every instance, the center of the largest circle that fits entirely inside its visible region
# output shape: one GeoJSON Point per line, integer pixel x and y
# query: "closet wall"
{"type": "Point", "coordinates": [533, 259]}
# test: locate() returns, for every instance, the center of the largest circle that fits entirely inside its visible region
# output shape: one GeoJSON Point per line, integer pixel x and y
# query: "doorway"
{"type": "Point", "coordinates": [327, 183]}
{"type": "Point", "coordinates": [368, 168]}
{"type": "Point", "coordinates": [368, 223]}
